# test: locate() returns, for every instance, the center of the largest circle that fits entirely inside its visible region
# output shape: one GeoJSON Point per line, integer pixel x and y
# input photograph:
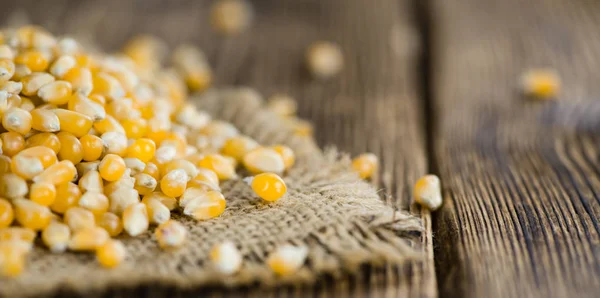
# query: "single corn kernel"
{"type": "Point", "coordinates": [170, 234]}
{"type": "Point", "coordinates": [111, 254]}
{"type": "Point", "coordinates": [45, 139]}
{"type": "Point", "coordinates": [56, 237]}
{"type": "Point", "coordinates": [34, 60]}
{"type": "Point", "coordinates": [282, 105]}
{"type": "Point", "coordinates": [84, 167]}
{"type": "Point", "coordinates": [173, 183]}
{"type": "Point", "coordinates": [157, 212]}
{"type": "Point", "coordinates": [238, 146]}
{"type": "Point", "coordinates": [91, 182]}
{"type": "Point", "coordinates": [112, 167]}
{"type": "Point", "coordinates": [81, 104]}
{"type": "Point", "coordinates": [428, 192]}
{"type": "Point", "coordinates": [142, 149]}
{"type": "Point", "coordinates": [67, 46]}
{"type": "Point", "coordinates": [59, 173]}
{"type": "Point", "coordinates": [152, 170]}
{"type": "Point", "coordinates": [220, 165]}
{"type": "Point", "coordinates": [17, 233]}
{"type": "Point", "coordinates": [169, 202]}
{"type": "Point", "coordinates": [145, 184]}
{"type": "Point", "coordinates": [7, 214]}
{"type": "Point", "coordinates": [12, 186]}
{"type": "Point", "coordinates": [97, 98]}
{"type": "Point", "coordinates": [135, 219]}
{"type": "Point", "coordinates": [62, 65]}
{"type": "Point", "coordinates": [164, 154]}
{"type": "Point", "coordinates": [80, 79]}
{"type": "Point", "coordinates": [26, 166]}
{"type": "Point", "coordinates": [57, 92]}
{"type": "Point", "coordinates": [122, 198]}
{"type": "Point", "coordinates": [67, 196]}
{"type": "Point", "coordinates": [26, 104]}
{"type": "Point", "coordinates": [111, 223]}
{"type": "Point", "coordinates": [76, 123]}
{"type": "Point", "coordinates": [34, 81]}
{"type": "Point", "coordinates": [158, 129]}
{"type": "Point", "coordinates": [45, 154]}
{"type": "Point", "coordinates": [107, 85]}
{"type": "Point", "coordinates": [262, 160]}
{"type": "Point", "coordinates": [287, 154]}
{"type": "Point", "coordinates": [70, 147]}
{"type": "Point", "coordinates": [31, 215]}
{"type": "Point", "coordinates": [44, 120]}
{"type": "Point", "coordinates": [365, 165]}
{"type": "Point", "coordinates": [12, 258]}
{"type": "Point", "coordinates": [108, 124]}
{"type": "Point", "coordinates": [88, 239]}
{"type": "Point", "coordinates": [12, 143]}
{"type": "Point", "coordinates": [135, 128]}
{"type": "Point", "coordinates": [191, 194]}
{"type": "Point", "coordinates": [324, 59]}
{"type": "Point", "coordinates": [21, 71]}
{"type": "Point", "coordinates": [7, 69]}
{"type": "Point", "coordinates": [135, 165]}
{"type": "Point", "coordinates": [541, 83]}
{"type": "Point", "coordinates": [93, 147]}
{"type": "Point", "coordinates": [206, 207]}
{"type": "Point", "coordinates": [96, 202]}
{"type": "Point", "coordinates": [268, 186]}
{"type": "Point", "coordinates": [190, 169]}
{"type": "Point", "coordinates": [206, 177]}
{"type": "Point", "coordinates": [231, 16]}
{"type": "Point", "coordinates": [287, 259]}
{"type": "Point", "coordinates": [78, 218]}
{"type": "Point", "coordinates": [17, 120]}
{"type": "Point", "coordinates": [116, 143]}
{"type": "Point", "coordinates": [43, 193]}
{"type": "Point", "coordinates": [226, 258]}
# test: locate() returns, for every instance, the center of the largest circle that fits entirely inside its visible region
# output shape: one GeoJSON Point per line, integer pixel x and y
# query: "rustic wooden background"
{"type": "Point", "coordinates": [429, 86]}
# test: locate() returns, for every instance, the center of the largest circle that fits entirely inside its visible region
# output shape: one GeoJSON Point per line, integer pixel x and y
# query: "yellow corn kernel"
{"type": "Point", "coordinates": [152, 170]}
{"type": "Point", "coordinates": [91, 182]}
{"type": "Point", "coordinates": [108, 124]}
{"type": "Point", "coordinates": [264, 160]}
{"type": "Point", "coordinates": [7, 214]}
{"type": "Point", "coordinates": [135, 165]}
{"type": "Point", "coordinates": [111, 223]}
{"type": "Point", "coordinates": [95, 202]}
{"type": "Point", "coordinates": [7, 69]}
{"type": "Point", "coordinates": [67, 46]}
{"type": "Point", "coordinates": [80, 79]}
{"type": "Point", "coordinates": [76, 123]}
{"type": "Point", "coordinates": [17, 233]}
{"type": "Point", "coordinates": [135, 128]}
{"type": "Point", "coordinates": [287, 154]}
{"type": "Point", "coordinates": [34, 60]}
{"type": "Point", "coordinates": [12, 186]}
{"type": "Point", "coordinates": [226, 258]}
{"type": "Point", "coordinates": [157, 212]}
{"type": "Point", "coordinates": [206, 207]}
{"type": "Point", "coordinates": [121, 198]}
{"type": "Point", "coordinates": [56, 93]}
{"type": "Point", "coordinates": [84, 167]}
{"type": "Point", "coordinates": [59, 173]}
{"type": "Point", "coordinates": [93, 147]}
{"type": "Point", "coordinates": [231, 16]}
{"type": "Point", "coordinates": [42, 40]}
{"type": "Point", "coordinates": [12, 143]}
{"type": "Point", "coordinates": [67, 196]}
{"type": "Point", "coordinates": [17, 120]}
{"type": "Point", "coordinates": [170, 234]}
{"type": "Point", "coordinates": [324, 59]}
{"type": "Point", "coordinates": [27, 104]}
{"type": "Point", "coordinates": [81, 104]}
{"type": "Point", "coordinates": [26, 167]}
{"type": "Point", "coordinates": [219, 132]}
{"type": "Point", "coordinates": [268, 186]}
{"type": "Point", "coordinates": [169, 202]}
{"type": "Point", "coordinates": [173, 183]}
{"type": "Point", "coordinates": [112, 167]}
{"type": "Point", "coordinates": [282, 105]}
{"type": "Point", "coordinates": [145, 184]}
{"type": "Point", "coordinates": [31, 215]}
{"type": "Point", "coordinates": [70, 147]}
{"type": "Point", "coordinates": [5, 162]}
{"type": "Point", "coordinates": [111, 254]}
{"type": "Point", "coordinates": [164, 154]}
{"type": "Point", "coordinates": [45, 139]}
{"type": "Point", "coordinates": [44, 154]}
{"type": "Point", "coordinates": [122, 109]}
{"type": "Point", "coordinates": [84, 60]}
{"type": "Point", "coordinates": [142, 149]}
{"type": "Point", "coordinates": [116, 143]}
{"type": "Point", "coordinates": [107, 85]}
{"type": "Point", "coordinates": [56, 237]}
{"type": "Point", "coordinates": [176, 140]}
{"type": "Point", "coordinates": [135, 219]}
{"type": "Point", "coordinates": [158, 129]}
{"type": "Point", "coordinates": [78, 218]}
{"type": "Point", "coordinates": [11, 87]}
{"type": "Point", "coordinates": [428, 192]}
{"type": "Point", "coordinates": [44, 120]}
{"type": "Point", "coordinates": [125, 182]}
{"type": "Point", "coordinates": [206, 179]}
{"type": "Point", "coordinates": [220, 165]}
{"type": "Point", "coordinates": [12, 258]}
{"type": "Point", "coordinates": [365, 165]}
{"type": "Point", "coordinates": [146, 51]}
{"type": "Point", "coordinates": [190, 169]}
{"type": "Point", "coordinates": [541, 83]}
{"type": "Point", "coordinates": [43, 193]}
{"type": "Point", "coordinates": [191, 194]}
{"type": "Point", "coordinates": [287, 259]}
{"type": "Point", "coordinates": [88, 239]}
{"type": "Point", "coordinates": [34, 81]}
{"type": "Point", "coordinates": [238, 146]}
{"type": "Point", "coordinates": [21, 71]}
{"type": "Point", "coordinates": [97, 98]}
{"type": "Point", "coordinates": [62, 65]}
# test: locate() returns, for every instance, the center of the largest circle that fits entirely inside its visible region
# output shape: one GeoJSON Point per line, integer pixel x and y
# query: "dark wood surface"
{"type": "Point", "coordinates": [521, 178]}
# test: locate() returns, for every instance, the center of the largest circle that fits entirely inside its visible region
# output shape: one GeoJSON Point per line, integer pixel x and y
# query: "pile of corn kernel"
{"type": "Point", "coordinates": [97, 145]}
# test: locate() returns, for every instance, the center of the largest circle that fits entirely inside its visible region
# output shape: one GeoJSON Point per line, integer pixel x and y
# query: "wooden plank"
{"type": "Point", "coordinates": [521, 178]}
{"type": "Point", "coordinates": [373, 106]}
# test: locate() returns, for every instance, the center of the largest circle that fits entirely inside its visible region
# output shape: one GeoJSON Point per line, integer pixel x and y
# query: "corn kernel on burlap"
{"type": "Point", "coordinates": [339, 217]}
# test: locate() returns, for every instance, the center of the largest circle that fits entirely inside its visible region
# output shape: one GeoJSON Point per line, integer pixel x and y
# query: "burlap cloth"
{"type": "Point", "coordinates": [328, 208]}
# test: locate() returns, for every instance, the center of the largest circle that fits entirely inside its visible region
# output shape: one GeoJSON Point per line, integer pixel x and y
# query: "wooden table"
{"type": "Point", "coordinates": [429, 86]}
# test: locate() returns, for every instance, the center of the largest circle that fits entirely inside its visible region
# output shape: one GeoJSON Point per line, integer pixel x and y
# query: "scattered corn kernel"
{"type": "Point", "coordinates": [56, 237]}
{"type": "Point", "coordinates": [173, 184]}
{"type": "Point", "coordinates": [287, 154]}
{"type": "Point", "coordinates": [135, 219]}
{"type": "Point", "coordinates": [365, 165]}
{"type": "Point", "coordinates": [282, 105]}
{"type": "Point", "coordinates": [170, 234]}
{"type": "Point", "coordinates": [428, 192]}
{"type": "Point", "coordinates": [111, 223]}
{"type": "Point", "coordinates": [12, 258]}
{"type": "Point", "coordinates": [206, 207]}
{"type": "Point", "coordinates": [238, 146]}
{"type": "Point", "coordinates": [324, 59]}
{"type": "Point", "coordinates": [111, 254]}
{"type": "Point", "coordinates": [262, 160]}
{"type": "Point", "coordinates": [219, 165]}
{"type": "Point", "coordinates": [287, 259]}
{"type": "Point", "coordinates": [541, 83]}
{"type": "Point", "coordinates": [226, 258]}
{"type": "Point", "coordinates": [231, 16]}
{"type": "Point", "coordinates": [268, 186]}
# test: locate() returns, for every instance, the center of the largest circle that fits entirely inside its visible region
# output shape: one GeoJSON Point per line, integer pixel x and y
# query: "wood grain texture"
{"type": "Point", "coordinates": [521, 178]}
{"type": "Point", "coordinates": [373, 106]}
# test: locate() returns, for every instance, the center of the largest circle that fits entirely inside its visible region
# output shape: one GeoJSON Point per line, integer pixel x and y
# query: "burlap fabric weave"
{"type": "Point", "coordinates": [327, 208]}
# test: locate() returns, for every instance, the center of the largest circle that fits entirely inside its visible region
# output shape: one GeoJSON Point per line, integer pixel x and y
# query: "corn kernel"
{"type": "Point", "coordinates": [170, 234]}
{"type": "Point", "coordinates": [26, 103]}
{"type": "Point", "coordinates": [157, 212]}
{"type": "Point", "coordinates": [220, 165]}
{"type": "Point", "coordinates": [135, 128]}
{"type": "Point", "coordinates": [287, 154]}
{"type": "Point", "coordinates": [6, 52]}
{"type": "Point", "coordinates": [44, 120]}
{"type": "Point", "coordinates": [135, 165]}
{"type": "Point", "coordinates": [34, 60]}
{"type": "Point", "coordinates": [191, 194]}
{"type": "Point", "coordinates": [12, 258]}
{"type": "Point", "coordinates": [135, 219]}
{"type": "Point", "coordinates": [173, 184]}
{"type": "Point", "coordinates": [282, 105]}
{"type": "Point", "coordinates": [7, 69]}
{"type": "Point", "coordinates": [111, 254]}
{"type": "Point", "coordinates": [88, 239]}
{"type": "Point", "coordinates": [67, 46]}
{"type": "Point", "coordinates": [287, 259]}
{"type": "Point", "coordinates": [206, 207]}
{"type": "Point", "coordinates": [365, 165]}
{"type": "Point", "coordinates": [11, 87]}
{"type": "Point", "coordinates": [25, 166]}
{"type": "Point", "coordinates": [152, 170]}
{"type": "Point", "coordinates": [107, 85]}
{"type": "Point", "coordinates": [12, 186]}
{"type": "Point", "coordinates": [231, 16]}
{"type": "Point", "coordinates": [57, 92]}
{"type": "Point", "coordinates": [324, 59]}
{"type": "Point", "coordinates": [108, 124]}
{"type": "Point", "coordinates": [112, 167]}
{"type": "Point", "coordinates": [5, 162]}
{"type": "Point", "coordinates": [93, 147]}
{"type": "Point", "coordinates": [70, 147]}
{"type": "Point", "coordinates": [164, 154]}
{"type": "Point", "coordinates": [17, 233]}
{"type": "Point", "coordinates": [7, 214]}
{"type": "Point", "coordinates": [146, 51]}
{"type": "Point", "coordinates": [122, 198]}
{"type": "Point", "coordinates": [206, 179]}
{"type": "Point", "coordinates": [541, 83]}
{"type": "Point", "coordinates": [268, 186]}
{"type": "Point", "coordinates": [56, 237]}
{"type": "Point", "coordinates": [59, 173]}
{"type": "Point", "coordinates": [428, 192]}
{"type": "Point", "coordinates": [97, 98]}
{"type": "Point", "coordinates": [95, 202]}
{"type": "Point", "coordinates": [91, 182]}
{"type": "Point", "coordinates": [111, 223]}
{"type": "Point", "coordinates": [78, 218]}
{"type": "Point", "coordinates": [62, 65]}
{"type": "Point", "coordinates": [80, 79]}
{"type": "Point", "coordinates": [145, 184]}
{"type": "Point", "coordinates": [31, 215]}
{"type": "Point", "coordinates": [43, 193]}
{"type": "Point", "coordinates": [116, 143]}
{"type": "Point", "coordinates": [226, 258]}
{"type": "Point", "coordinates": [263, 160]}
{"type": "Point", "coordinates": [44, 154]}
{"type": "Point", "coordinates": [67, 196]}
{"type": "Point", "coordinates": [142, 149]}
{"type": "Point", "coordinates": [21, 71]}
{"type": "Point", "coordinates": [84, 167]}
{"type": "Point", "coordinates": [12, 143]}
{"type": "Point", "coordinates": [238, 146]}
{"type": "Point", "coordinates": [76, 123]}
{"type": "Point", "coordinates": [169, 202]}
{"type": "Point", "coordinates": [17, 120]}
{"type": "Point", "coordinates": [190, 169]}
{"type": "Point", "coordinates": [219, 132]}
{"type": "Point", "coordinates": [81, 104]}
{"type": "Point", "coordinates": [34, 81]}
